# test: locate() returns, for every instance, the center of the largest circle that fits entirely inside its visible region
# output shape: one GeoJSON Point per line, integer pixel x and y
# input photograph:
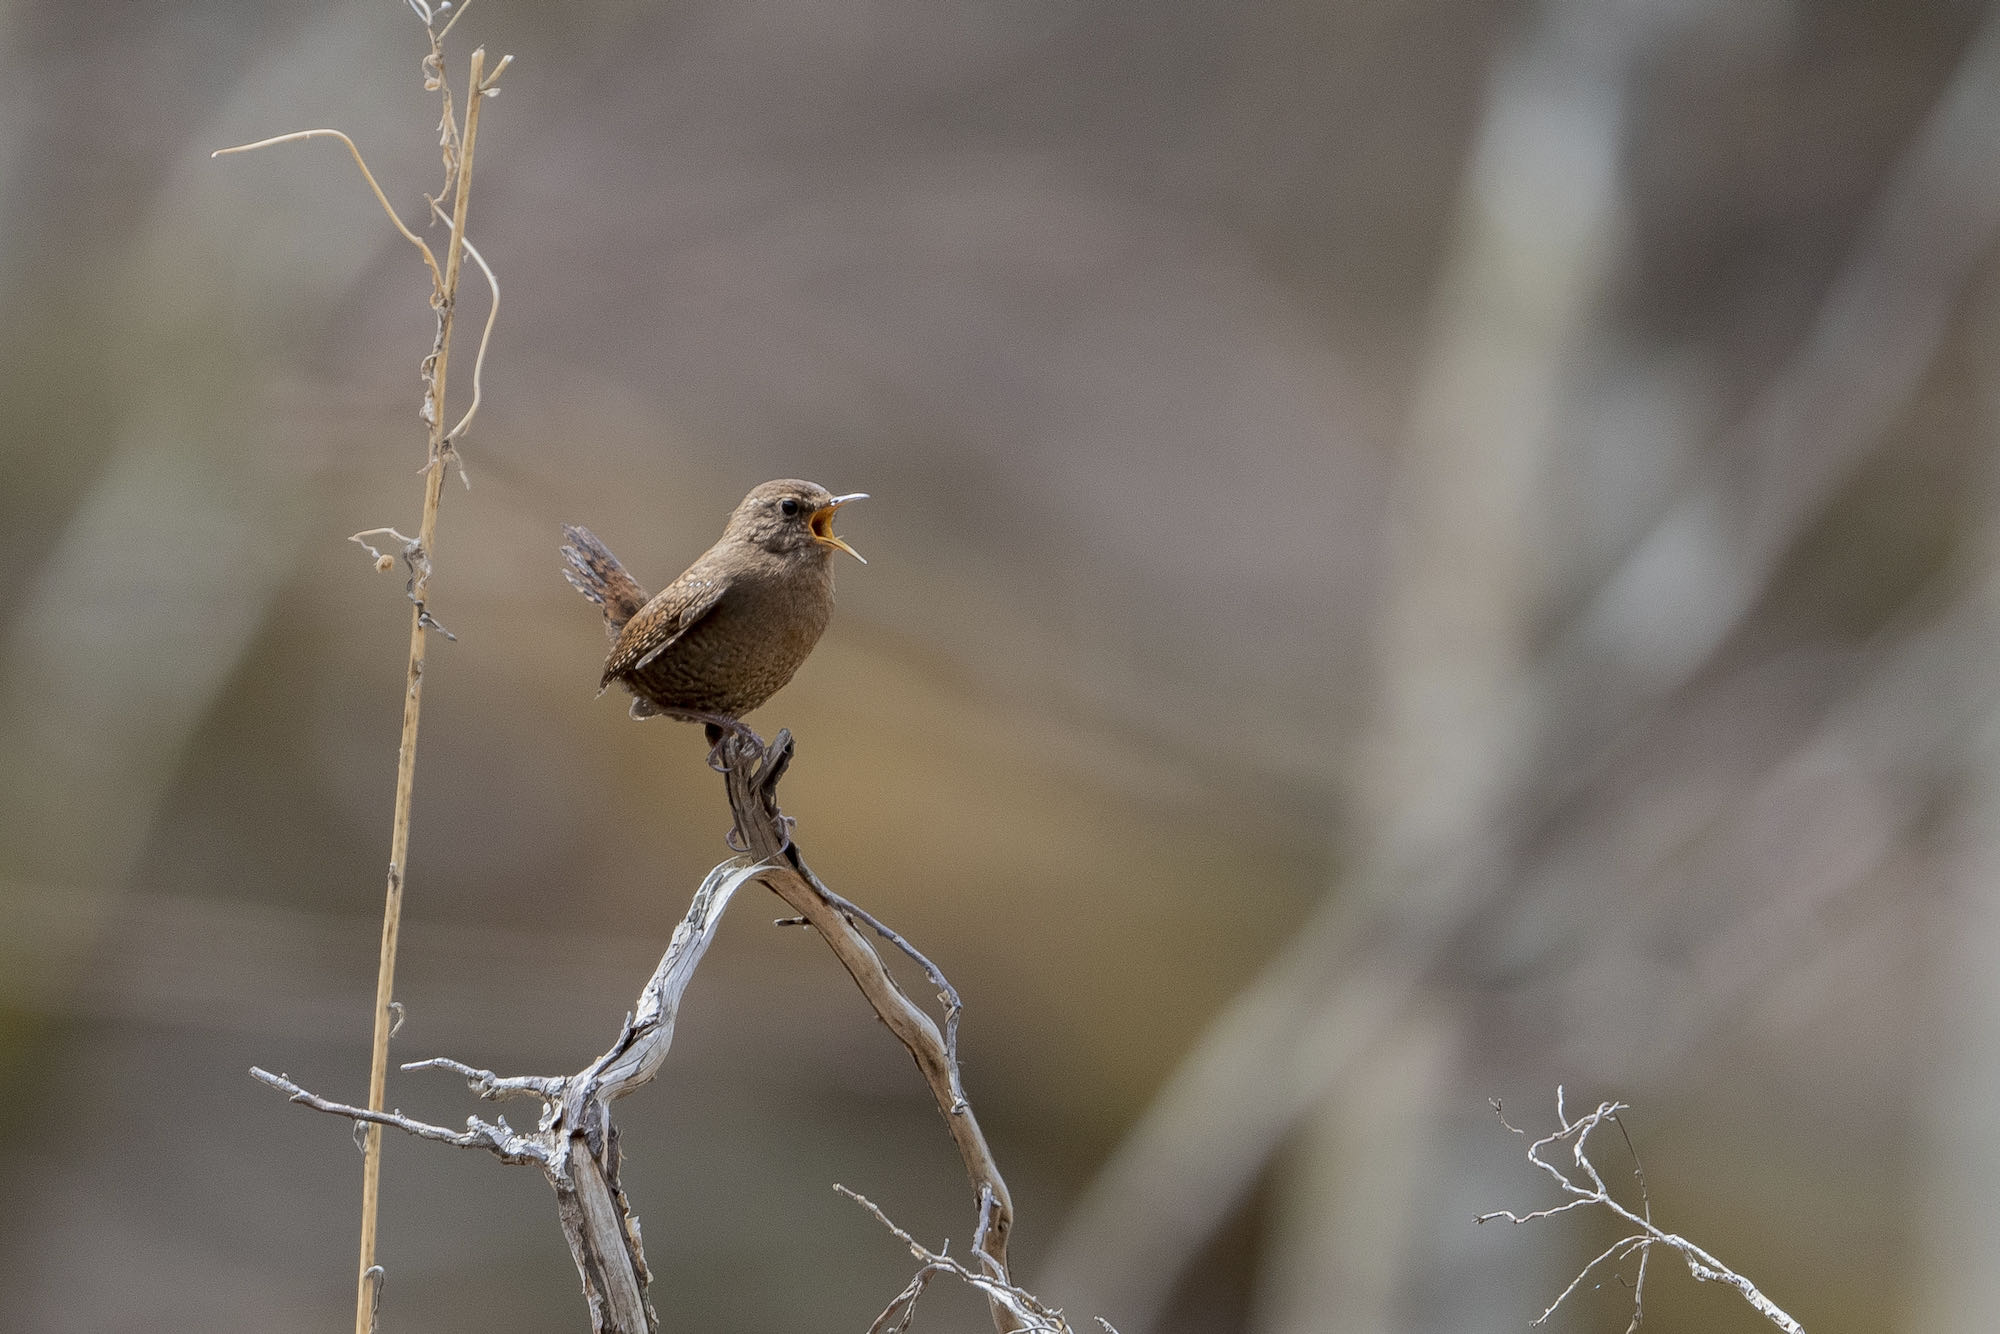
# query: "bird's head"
{"type": "Point", "coordinates": [791, 516]}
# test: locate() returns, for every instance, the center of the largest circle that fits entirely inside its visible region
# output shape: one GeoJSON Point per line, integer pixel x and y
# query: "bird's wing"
{"type": "Point", "coordinates": [677, 609]}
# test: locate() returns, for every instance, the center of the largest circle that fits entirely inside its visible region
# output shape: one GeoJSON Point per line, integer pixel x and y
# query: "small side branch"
{"type": "Point", "coordinates": [947, 993]}
{"type": "Point", "coordinates": [574, 1141]}
{"type": "Point", "coordinates": [298, 136]}
{"type": "Point", "coordinates": [1028, 1312]}
{"type": "Point", "coordinates": [751, 776]}
{"type": "Point", "coordinates": [497, 1088]}
{"type": "Point", "coordinates": [1579, 1178]}
{"type": "Point", "coordinates": [495, 1136]}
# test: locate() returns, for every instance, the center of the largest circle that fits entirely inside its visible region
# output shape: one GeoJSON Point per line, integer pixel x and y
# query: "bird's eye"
{"type": "Point", "coordinates": [789, 506]}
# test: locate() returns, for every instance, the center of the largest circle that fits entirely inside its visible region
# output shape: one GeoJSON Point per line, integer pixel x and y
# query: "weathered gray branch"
{"type": "Point", "coordinates": [752, 781]}
{"type": "Point", "coordinates": [1584, 1184]}
{"type": "Point", "coordinates": [574, 1142]}
{"type": "Point", "coordinates": [1027, 1311]}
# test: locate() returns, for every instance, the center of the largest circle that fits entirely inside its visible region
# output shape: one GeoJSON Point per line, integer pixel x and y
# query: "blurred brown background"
{"type": "Point", "coordinates": [1422, 550]}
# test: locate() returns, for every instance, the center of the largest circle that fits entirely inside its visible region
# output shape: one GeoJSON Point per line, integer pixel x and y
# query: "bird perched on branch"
{"type": "Point", "coordinates": [730, 632]}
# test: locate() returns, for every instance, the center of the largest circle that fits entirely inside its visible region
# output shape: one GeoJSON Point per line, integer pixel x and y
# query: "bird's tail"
{"type": "Point", "coordinates": [594, 572]}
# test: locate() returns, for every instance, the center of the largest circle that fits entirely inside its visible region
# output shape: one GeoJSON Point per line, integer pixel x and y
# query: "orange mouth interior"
{"type": "Point", "coordinates": [822, 530]}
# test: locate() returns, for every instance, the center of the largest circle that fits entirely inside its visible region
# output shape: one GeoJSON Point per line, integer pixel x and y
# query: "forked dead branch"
{"type": "Point", "coordinates": [1582, 1182]}
{"type": "Point", "coordinates": [575, 1142]}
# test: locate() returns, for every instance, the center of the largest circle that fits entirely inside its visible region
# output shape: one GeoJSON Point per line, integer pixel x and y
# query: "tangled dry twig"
{"type": "Point", "coordinates": [1032, 1314]}
{"type": "Point", "coordinates": [1585, 1186]}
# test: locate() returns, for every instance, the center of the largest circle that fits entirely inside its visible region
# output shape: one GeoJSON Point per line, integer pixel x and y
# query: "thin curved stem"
{"type": "Point", "coordinates": [485, 334]}
{"type": "Point", "coordinates": [430, 260]}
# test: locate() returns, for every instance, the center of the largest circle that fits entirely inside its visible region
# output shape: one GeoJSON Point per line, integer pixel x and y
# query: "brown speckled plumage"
{"type": "Point", "coordinates": [730, 632]}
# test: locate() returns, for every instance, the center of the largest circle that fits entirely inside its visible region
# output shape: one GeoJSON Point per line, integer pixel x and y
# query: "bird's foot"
{"type": "Point", "coordinates": [720, 732]}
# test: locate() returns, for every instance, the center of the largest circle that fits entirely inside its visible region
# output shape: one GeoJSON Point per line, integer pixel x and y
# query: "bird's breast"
{"type": "Point", "coordinates": [747, 647]}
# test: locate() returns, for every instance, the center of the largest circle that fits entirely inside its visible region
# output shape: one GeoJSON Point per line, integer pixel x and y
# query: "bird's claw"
{"type": "Point", "coordinates": [721, 732]}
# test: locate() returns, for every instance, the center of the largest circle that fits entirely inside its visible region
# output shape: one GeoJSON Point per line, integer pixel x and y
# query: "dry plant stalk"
{"type": "Point", "coordinates": [457, 139]}
{"type": "Point", "coordinates": [1585, 1185]}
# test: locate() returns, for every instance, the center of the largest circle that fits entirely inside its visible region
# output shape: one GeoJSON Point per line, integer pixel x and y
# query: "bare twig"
{"type": "Point", "coordinates": [1581, 1180]}
{"type": "Point", "coordinates": [495, 1088]}
{"type": "Point", "coordinates": [496, 1136]}
{"type": "Point", "coordinates": [751, 777]}
{"type": "Point", "coordinates": [947, 993]}
{"type": "Point", "coordinates": [1026, 1310]}
{"type": "Point", "coordinates": [1646, 1212]}
{"type": "Point", "coordinates": [574, 1142]}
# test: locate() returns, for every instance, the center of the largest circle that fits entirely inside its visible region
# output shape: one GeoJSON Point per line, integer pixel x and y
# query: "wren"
{"type": "Point", "coordinates": [730, 632]}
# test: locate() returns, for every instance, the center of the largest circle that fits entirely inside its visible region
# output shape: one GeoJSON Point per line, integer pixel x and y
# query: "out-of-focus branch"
{"type": "Point", "coordinates": [1957, 1284]}
{"type": "Point", "coordinates": [1582, 1182]}
{"type": "Point", "coordinates": [1690, 581]}
{"type": "Point", "coordinates": [1845, 796]}
{"type": "Point", "coordinates": [1455, 718]}
{"type": "Point", "coordinates": [1357, 964]}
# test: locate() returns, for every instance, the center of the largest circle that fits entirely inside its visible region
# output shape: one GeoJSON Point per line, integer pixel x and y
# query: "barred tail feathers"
{"type": "Point", "coordinates": [594, 572]}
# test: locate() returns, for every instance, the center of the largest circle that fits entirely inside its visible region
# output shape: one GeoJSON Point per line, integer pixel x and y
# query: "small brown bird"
{"type": "Point", "coordinates": [728, 634]}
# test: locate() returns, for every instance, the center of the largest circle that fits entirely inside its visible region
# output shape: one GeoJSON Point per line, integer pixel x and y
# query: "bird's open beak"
{"type": "Point", "coordinates": [822, 524]}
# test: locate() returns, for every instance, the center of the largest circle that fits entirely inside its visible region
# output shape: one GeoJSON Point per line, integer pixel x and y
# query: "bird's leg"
{"type": "Point", "coordinates": [719, 729]}
{"type": "Point", "coordinates": [718, 724]}
{"type": "Point", "coordinates": [721, 732]}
